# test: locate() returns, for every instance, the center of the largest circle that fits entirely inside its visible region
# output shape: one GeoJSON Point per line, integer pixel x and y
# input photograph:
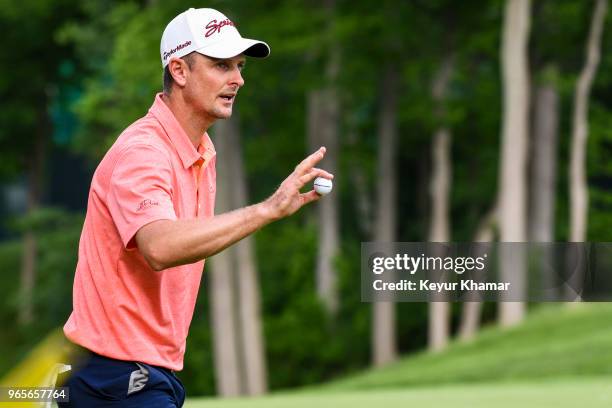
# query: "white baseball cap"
{"type": "Point", "coordinates": [208, 32]}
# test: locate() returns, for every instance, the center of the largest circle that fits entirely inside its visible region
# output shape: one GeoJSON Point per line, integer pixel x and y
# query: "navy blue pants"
{"type": "Point", "coordinates": [105, 382]}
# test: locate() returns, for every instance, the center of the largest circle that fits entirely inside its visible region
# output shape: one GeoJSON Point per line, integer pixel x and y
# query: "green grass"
{"type": "Point", "coordinates": [560, 356]}
{"type": "Point", "coordinates": [594, 393]}
{"type": "Point", "coordinates": [554, 342]}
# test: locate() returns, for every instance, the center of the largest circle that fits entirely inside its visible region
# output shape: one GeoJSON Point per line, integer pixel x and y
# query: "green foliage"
{"type": "Point", "coordinates": [31, 76]}
{"type": "Point", "coordinates": [101, 110]}
{"type": "Point", "coordinates": [10, 259]}
{"type": "Point", "coordinates": [600, 174]}
{"type": "Point", "coordinates": [57, 236]}
{"type": "Point", "coordinates": [301, 350]}
{"type": "Point", "coordinates": [198, 375]}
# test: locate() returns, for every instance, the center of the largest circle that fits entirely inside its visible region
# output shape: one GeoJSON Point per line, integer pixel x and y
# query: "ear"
{"type": "Point", "coordinates": [179, 70]}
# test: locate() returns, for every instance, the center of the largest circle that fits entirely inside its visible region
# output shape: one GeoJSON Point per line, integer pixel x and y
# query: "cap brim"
{"type": "Point", "coordinates": [229, 49]}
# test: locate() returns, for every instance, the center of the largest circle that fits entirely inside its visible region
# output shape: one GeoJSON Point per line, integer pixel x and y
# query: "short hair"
{"type": "Point", "coordinates": [168, 80]}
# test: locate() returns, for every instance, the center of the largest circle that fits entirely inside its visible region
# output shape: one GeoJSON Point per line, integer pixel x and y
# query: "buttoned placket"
{"type": "Point", "coordinates": [198, 169]}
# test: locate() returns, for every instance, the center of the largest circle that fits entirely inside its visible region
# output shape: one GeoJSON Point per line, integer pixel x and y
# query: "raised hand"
{"type": "Point", "coordinates": [287, 199]}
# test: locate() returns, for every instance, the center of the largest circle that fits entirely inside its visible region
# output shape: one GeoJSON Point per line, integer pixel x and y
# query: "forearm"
{"type": "Point", "coordinates": [172, 243]}
{"type": "Point", "coordinates": [166, 243]}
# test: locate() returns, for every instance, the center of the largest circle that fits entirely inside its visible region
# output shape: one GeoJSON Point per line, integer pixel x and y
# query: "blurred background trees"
{"type": "Point", "coordinates": [415, 101]}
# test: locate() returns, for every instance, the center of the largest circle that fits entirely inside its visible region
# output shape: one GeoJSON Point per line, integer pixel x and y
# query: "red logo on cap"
{"type": "Point", "coordinates": [214, 27]}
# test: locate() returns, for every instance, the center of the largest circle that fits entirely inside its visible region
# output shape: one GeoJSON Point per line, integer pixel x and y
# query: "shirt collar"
{"type": "Point", "coordinates": [187, 152]}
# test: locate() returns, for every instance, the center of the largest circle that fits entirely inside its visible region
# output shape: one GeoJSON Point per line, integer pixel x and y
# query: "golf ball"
{"type": "Point", "coordinates": [322, 185]}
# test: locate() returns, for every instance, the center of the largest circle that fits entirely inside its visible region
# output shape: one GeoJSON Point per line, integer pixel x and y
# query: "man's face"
{"type": "Point", "coordinates": [212, 85]}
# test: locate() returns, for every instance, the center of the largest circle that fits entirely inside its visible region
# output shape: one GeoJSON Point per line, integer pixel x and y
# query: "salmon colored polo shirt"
{"type": "Point", "coordinates": [122, 308]}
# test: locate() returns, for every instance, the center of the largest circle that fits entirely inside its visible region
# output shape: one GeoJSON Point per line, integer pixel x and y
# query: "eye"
{"type": "Point", "coordinates": [240, 67]}
{"type": "Point", "coordinates": [223, 65]}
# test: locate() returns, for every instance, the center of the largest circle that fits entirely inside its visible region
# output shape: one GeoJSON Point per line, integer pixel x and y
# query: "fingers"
{"type": "Point", "coordinates": [310, 161]}
{"type": "Point", "coordinates": [312, 174]}
{"type": "Point", "coordinates": [323, 173]}
{"type": "Point", "coordinates": [309, 197]}
{"type": "Point", "coordinates": [288, 194]}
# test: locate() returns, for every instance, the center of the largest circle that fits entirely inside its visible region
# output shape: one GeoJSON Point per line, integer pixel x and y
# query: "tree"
{"type": "Point", "coordinates": [236, 307]}
{"type": "Point", "coordinates": [544, 158]}
{"type": "Point", "coordinates": [513, 160]}
{"type": "Point", "coordinates": [471, 311]}
{"type": "Point", "coordinates": [544, 170]}
{"type": "Point", "coordinates": [439, 231]}
{"type": "Point", "coordinates": [250, 319]}
{"type": "Point", "coordinates": [384, 346]}
{"type": "Point", "coordinates": [577, 172]}
{"type": "Point", "coordinates": [323, 119]}
{"type": "Point", "coordinates": [578, 182]}
{"type": "Point", "coordinates": [222, 289]}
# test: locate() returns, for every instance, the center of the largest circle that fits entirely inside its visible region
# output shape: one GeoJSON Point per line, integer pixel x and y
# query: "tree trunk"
{"type": "Point", "coordinates": [383, 313]}
{"type": "Point", "coordinates": [439, 229]}
{"type": "Point", "coordinates": [36, 166]}
{"type": "Point", "coordinates": [28, 279]}
{"type": "Point", "coordinates": [323, 131]}
{"type": "Point", "coordinates": [544, 163]}
{"type": "Point", "coordinates": [323, 119]}
{"type": "Point", "coordinates": [513, 163]}
{"type": "Point", "coordinates": [252, 342]}
{"type": "Point", "coordinates": [470, 314]}
{"type": "Point", "coordinates": [439, 308]}
{"type": "Point", "coordinates": [544, 170]}
{"type": "Point", "coordinates": [578, 183]}
{"type": "Point", "coordinates": [579, 195]}
{"type": "Point", "coordinates": [360, 185]}
{"type": "Point", "coordinates": [222, 286]}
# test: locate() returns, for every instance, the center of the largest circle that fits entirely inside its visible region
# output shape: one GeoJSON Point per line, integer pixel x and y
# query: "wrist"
{"type": "Point", "coordinates": [265, 212]}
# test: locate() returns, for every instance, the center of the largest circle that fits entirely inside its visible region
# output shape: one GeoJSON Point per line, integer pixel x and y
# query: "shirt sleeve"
{"type": "Point", "coordinates": [140, 191]}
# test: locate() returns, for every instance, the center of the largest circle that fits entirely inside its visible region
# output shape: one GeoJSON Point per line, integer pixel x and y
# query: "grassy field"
{"type": "Point", "coordinates": [556, 341]}
{"type": "Point", "coordinates": [593, 393]}
{"type": "Point", "coordinates": [560, 357]}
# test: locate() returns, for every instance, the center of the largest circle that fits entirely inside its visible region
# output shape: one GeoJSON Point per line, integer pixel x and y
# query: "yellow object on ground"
{"type": "Point", "coordinates": [40, 367]}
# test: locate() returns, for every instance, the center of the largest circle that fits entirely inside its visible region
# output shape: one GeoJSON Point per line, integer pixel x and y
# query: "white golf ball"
{"type": "Point", "coordinates": [322, 185]}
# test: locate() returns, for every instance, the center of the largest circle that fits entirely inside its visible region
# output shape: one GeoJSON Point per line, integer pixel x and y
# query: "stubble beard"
{"type": "Point", "coordinates": [220, 113]}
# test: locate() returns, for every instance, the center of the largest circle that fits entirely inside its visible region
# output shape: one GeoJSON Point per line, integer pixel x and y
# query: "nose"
{"type": "Point", "coordinates": [237, 78]}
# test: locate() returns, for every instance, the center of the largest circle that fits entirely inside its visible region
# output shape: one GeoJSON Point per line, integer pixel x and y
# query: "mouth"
{"type": "Point", "coordinates": [228, 97]}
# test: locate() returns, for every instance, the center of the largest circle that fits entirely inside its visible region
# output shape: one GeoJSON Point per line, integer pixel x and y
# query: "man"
{"type": "Point", "coordinates": [150, 222]}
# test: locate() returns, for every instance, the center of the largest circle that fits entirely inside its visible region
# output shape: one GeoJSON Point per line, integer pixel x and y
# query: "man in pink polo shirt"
{"type": "Point", "coordinates": [150, 222]}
